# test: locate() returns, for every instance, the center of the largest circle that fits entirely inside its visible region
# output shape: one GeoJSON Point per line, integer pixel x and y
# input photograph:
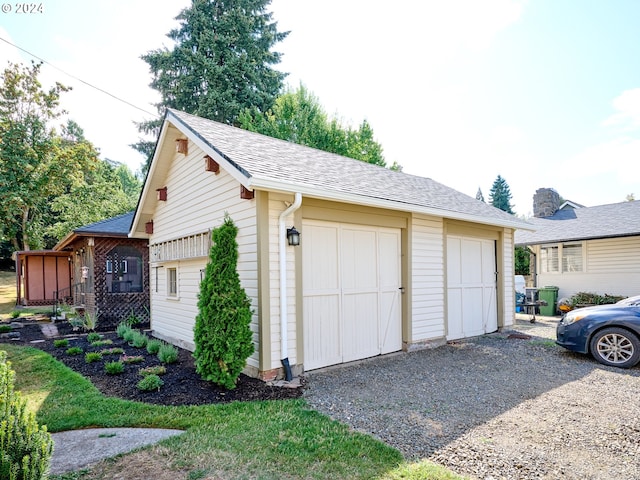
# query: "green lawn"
{"type": "Point", "coordinates": [276, 439]}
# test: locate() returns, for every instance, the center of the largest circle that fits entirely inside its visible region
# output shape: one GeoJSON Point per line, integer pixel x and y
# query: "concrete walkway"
{"type": "Point", "coordinates": [77, 449]}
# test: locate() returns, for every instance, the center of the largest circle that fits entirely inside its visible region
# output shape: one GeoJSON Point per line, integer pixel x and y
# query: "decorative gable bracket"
{"type": "Point", "coordinates": [148, 227]}
{"type": "Point", "coordinates": [210, 165]}
{"type": "Point", "coordinates": [182, 146]}
{"type": "Point", "coordinates": [162, 194]}
{"type": "Point", "coordinates": [245, 193]}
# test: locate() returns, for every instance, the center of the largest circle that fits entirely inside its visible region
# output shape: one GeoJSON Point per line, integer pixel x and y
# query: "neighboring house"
{"type": "Point", "coordinates": [108, 270]}
{"type": "Point", "coordinates": [584, 249]}
{"type": "Point", "coordinates": [387, 261]}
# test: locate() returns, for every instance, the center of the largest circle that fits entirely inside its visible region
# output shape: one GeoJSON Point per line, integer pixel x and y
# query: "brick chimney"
{"type": "Point", "coordinates": [546, 202]}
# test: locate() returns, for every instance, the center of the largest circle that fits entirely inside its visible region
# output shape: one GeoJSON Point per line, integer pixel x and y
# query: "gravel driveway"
{"type": "Point", "coordinates": [494, 407]}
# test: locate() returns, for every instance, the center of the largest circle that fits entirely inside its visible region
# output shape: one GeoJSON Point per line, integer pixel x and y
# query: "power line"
{"type": "Point", "coordinates": [82, 81]}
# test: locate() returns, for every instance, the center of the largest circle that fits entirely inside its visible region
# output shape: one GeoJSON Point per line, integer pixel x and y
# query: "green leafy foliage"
{"type": "Point", "coordinates": [222, 333]}
{"type": "Point", "coordinates": [522, 259]}
{"type": "Point", "coordinates": [590, 298]}
{"type": "Point", "coordinates": [61, 343]}
{"type": "Point", "coordinates": [25, 446]}
{"type": "Point", "coordinates": [91, 357]}
{"type": "Point", "coordinates": [150, 382]}
{"type": "Point", "coordinates": [93, 337]}
{"type": "Point", "coordinates": [138, 339]}
{"type": "Point", "coordinates": [50, 182]}
{"type": "Point", "coordinates": [153, 346]}
{"type": "Point", "coordinates": [74, 351]}
{"type": "Point", "coordinates": [500, 195]}
{"type": "Point", "coordinates": [220, 64]}
{"type": "Point", "coordinates": [167, 353]}
{"type": "Point", "coordinates": [123, 329]}
{"type": "Point", "coordinates": [114, 368]}
{"type": "Point", "coordinates": [298, 117]}
{"type": "Point", "coordinates": [155, 370]}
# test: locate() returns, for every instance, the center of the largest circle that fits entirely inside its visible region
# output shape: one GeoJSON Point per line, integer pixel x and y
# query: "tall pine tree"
{"type": "Point", "coordinates": [500, 195]}
{"type": "Point", "coordinates": [221, 63]}
{"type": "Point", "coordinates": [222, 335]}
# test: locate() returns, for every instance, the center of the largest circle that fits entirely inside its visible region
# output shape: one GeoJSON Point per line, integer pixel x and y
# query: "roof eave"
{"type": "Point", "coordinates": [279, 186]}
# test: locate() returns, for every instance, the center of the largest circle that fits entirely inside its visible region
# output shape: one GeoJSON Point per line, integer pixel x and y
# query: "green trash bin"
{"type": "Point", "coordinates": [549, 295]}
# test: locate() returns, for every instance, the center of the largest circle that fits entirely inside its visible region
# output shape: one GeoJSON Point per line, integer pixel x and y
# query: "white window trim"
{"type": "Point", "coordinates": [169, 295]}
{"type": "Point", "coordinates": [560, 246]}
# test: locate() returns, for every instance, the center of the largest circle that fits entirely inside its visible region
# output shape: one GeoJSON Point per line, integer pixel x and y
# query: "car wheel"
{"type": "Point", "coordinates": [616, 347]}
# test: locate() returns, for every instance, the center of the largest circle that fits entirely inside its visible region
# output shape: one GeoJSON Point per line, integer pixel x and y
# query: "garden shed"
{"type": "Point", "coordinates": [40, 274]}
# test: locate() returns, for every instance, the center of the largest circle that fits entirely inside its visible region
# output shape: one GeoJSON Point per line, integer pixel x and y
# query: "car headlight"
{"type": "Point", "coordinates": [572, 317]}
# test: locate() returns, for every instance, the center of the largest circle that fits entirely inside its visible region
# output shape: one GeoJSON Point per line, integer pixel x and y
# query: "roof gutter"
{"type": "Point", "coordinates": [282, 236]}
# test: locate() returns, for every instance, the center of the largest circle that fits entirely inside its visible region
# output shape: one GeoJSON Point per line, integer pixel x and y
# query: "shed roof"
{"type": "Point", "coordinates": [572, 224]}
{"type": "Point", "coordinates": [117, 226]}
{"type": "Point", "coordinates": [261, 162]}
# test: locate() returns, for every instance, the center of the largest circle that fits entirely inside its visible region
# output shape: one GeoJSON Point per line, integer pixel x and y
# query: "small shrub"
{"type": "Point", "coordinates": [114, 368]}
{"type": "Point", "coordinates": [74, 351]}
{"type": "Point", "coordinates": [131, 320]}
{"type": "Point", "coordinates": [153, 346]}
{"type": "Point", "coordinates": [112, 351]}
{"type": "Point", "coordinates": [150, 383]}
{"type": "Point", "coordinates": [61, 343]}
{"type": "Point", "coordinates": [101, 343]}
{"type": "Point", "coordinates": [90, 320]}
{"type": "Point", "coordinates": [93, 337]}
{"type": "Point", "coordinates": [155, 370]}
{"type": "Point", "coordinates": [15, 313]}
{"type": "Point", "coordinates": [122, 328]}
{"type": "Point", "coordinates": [75, 322]}
{"type": "Point", "coordinates": [26, 446]}
{"type": "Point", "coordinates": [132, 359]}
{"type": "Point", "coordinates": [5, 328]}
{"type": "Point", "coordinates": [129, 334]}
{"type": "Point", "coordinates": [91, 357]}
{"type": "Point", "coordinates": [138, 339]}
{"type": "Point", "coordinates": [168, 353]}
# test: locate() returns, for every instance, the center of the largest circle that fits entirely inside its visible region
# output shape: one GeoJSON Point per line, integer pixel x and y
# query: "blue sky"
{"type": "Point", "coordinates": [545, 93]}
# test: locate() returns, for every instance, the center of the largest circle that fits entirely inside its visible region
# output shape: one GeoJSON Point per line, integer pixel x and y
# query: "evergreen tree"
{"type": "Point", "coordinates": [479, 195]}
{"type": "Point", "coordinates": [500, 195]}
{"type": "Point", "coordinates": [522, 259]}
{"type": "Point", "coordinates": [25, 446]}
{"type": "Point", "coordinates": [221, 63]}
{"type": "Point", "coordinates": [222, 332]}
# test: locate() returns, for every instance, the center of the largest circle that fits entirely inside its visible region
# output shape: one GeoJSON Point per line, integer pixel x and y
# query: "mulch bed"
{"type": "Point", "coordinates": [182, 385]}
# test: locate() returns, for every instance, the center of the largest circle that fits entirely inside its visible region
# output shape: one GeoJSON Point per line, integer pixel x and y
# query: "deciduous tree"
{"type": "Point", "coordinates": [298, 117]}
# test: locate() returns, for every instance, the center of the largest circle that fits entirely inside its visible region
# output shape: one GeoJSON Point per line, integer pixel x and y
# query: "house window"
{"type": "Point", "coordinates": [124, 269]}
{"type": "Point", "coordinates": [172, 282]}
{"type": "Point", "coordinates": [567, 257]}
{"type": "Point", "coordinates": [572, 257]}
{"type": "Point", "coordinates": [549, 260]}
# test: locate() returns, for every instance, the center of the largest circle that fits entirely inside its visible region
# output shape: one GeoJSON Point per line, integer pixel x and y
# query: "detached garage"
{"type": "Point", "coordinates": [387, 261]}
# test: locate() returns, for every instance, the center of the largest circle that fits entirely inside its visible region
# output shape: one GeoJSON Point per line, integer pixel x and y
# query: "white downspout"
{"type": "Point", "coordinates": [282, 239]}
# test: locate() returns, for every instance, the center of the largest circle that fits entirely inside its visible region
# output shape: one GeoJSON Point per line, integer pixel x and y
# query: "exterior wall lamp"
{"type": "Point", "coordinates": [293, 237]}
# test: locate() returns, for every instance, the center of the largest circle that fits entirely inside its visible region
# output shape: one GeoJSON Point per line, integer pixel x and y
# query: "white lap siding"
{"type": "Point", "coordinates": [198, 200]}
{"type": "Point", "coordinates": [427, 279]}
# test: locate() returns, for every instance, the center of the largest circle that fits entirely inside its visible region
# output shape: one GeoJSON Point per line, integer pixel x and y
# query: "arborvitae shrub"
{"type": "Point", "coordinates": [25, 446]}
{"type": "Point", "coordinates": [222, 332]}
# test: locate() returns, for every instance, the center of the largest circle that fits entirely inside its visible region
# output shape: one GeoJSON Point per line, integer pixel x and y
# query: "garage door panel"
{"type": "Point", "coordinates": [367, 276]}
{"type": "Point", "coordinates": [322, 266]}
{"type": "Point", "coordinates": [360, 312]}
{"type": "Point", "coordinates": [391, 331]}
{"type": "Point", "coordinates": [322, 330]}
{"type": "Point", "coordinates": [358, 256]}
{"type": "Point", "coordinates": [471, 287]}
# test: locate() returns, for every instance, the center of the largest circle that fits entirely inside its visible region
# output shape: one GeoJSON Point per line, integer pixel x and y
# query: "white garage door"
{"type": "Point", "coordinates": [471, 287]}
{"type": "Point", "coordinates": [351, 289]}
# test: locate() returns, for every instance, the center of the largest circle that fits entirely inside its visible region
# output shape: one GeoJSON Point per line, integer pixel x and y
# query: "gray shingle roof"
{"type": "Point", "coordinates": [119, 225]}
{"type": "Point", "coordinates": [614, 220]}
{"type": "Point", "coordinates": [268, 161]}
